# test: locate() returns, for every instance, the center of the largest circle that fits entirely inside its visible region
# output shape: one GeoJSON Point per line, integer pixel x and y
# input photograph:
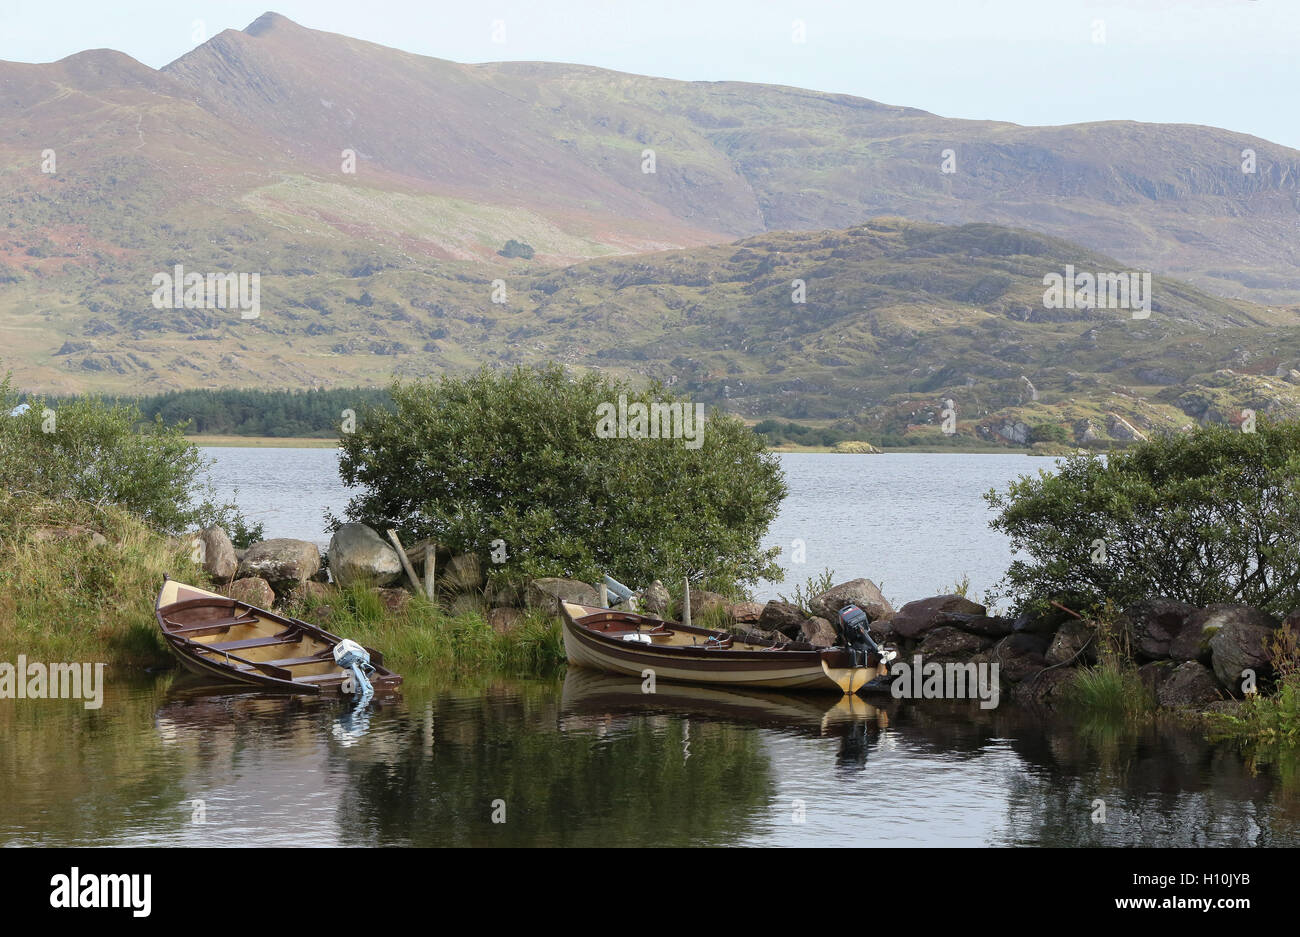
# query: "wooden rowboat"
{"type": "Point", "coordinates": [230, 641]}
{"type": "Point", "coordinates": [626, 643]}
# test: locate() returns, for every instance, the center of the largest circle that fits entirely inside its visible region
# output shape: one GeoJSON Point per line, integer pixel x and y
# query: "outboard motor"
{"type": "Point", "coordinates": [857, 639]}
{"type": "Point", "coordinates": [350, 655]}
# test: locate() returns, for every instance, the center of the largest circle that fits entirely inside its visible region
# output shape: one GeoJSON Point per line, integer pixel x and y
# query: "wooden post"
{"type": "Point", "coordinates": [604, 596]}
{"type": "Point", "coordinates": [686, 603]}
{"type": "Point", "coordinates": [430, 567]}
{"type": "Point", "coordinates": [406, 564]}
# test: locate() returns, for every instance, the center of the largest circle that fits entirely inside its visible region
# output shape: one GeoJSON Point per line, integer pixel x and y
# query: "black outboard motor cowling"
{"type": "Point", "coordinates": [853, 626]}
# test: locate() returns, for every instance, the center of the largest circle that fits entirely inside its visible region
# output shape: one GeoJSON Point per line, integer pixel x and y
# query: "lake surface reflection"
{"type": "Point", "coordinates": [588, 759]}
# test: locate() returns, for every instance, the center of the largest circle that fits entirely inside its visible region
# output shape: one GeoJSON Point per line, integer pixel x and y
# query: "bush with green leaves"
{"type": "Point", "coordinates": [1207, 516]}
{"type": "Point", "coordinates": [509, 465]}
{"type": "Point", "coordinates": [91, 450]}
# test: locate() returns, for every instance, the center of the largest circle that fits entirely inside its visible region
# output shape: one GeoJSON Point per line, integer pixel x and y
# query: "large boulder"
{"type": "Point", "coordinates": [916, 618]}
{"type": "Point", "coordinates": [1044, 689]}
{"type": "Point", "coordinates": [863, 593]}
{"type": "Point", "coordinates": [1074, 642]}
{"type": "Point", "coordinates": [282, 562]}
{"type": "Point", "coordinates": [654, 599]}
{"type": "Point", "coordinates": [818, 632]}
{"type": "Point", "coordinates": [1153, 624]}
{"type": "Point", "coordinates": [1240, 643]}
{"type": "Point", "coordinates": [357, 554]}
{"type": "Point", "coordinates": [216, 553]}
{"type": "Point", "coordinates": [947, 643]}
{"type": "Point", "coordinates": [549, 592]}
{"type": "Point", "coordinates": [781, 616]}
{"type": "Point", "coordinates": [311, 593]}
{"type": "Point", "coordinates": [252, 590]}
{"type": "Point", "coordinates": [1190, 684]}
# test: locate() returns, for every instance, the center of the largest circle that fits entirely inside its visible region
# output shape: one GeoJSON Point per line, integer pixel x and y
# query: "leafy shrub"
{"type": "Point", "coordinates": [514, 457]}
{"type": "Point", "coordinates": [1209, 516]}
{"type": "Point", "coordinates": [515, 248]}
{"type": "Point", "coordinates": [86, 449]}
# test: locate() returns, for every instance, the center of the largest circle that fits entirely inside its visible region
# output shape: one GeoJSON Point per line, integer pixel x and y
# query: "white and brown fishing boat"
{"type": "Point", "coordinates": [230, 641]}
{"type": "Point", "coordinates": [626, 643]}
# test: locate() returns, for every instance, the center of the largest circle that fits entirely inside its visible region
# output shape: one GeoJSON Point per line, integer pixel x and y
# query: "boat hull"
{"type": "Point", "coordinates": [594, 638]}
{"type": "Point", "coordinates": [229, 642]}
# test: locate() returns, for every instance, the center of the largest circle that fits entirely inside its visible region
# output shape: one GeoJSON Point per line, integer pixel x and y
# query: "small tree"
{"type": "Point", "coordinates": [1209, 516]}
{"type": "Point", "coordinates": [515, 248]}
{"type": "Point", "coordinates": [87, 449]}
{"type": "Point", "coordinates": [510, 466]}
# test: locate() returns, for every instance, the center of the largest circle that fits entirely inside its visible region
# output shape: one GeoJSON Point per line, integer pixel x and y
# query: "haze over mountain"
{"type": "Point", "coordinates": [234, 158]}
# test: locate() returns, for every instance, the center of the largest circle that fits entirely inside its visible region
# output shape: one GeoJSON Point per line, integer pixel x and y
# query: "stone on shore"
{"type": "Point", "coordinates": [1020, 656]}
{"type": "Point", "coordinates": [504, 619]}
{"type": "Point", "coordinates": [745, 613]}
{"type": "Point", "coordinates": [358, 555]}
{"type": "Point", "coordinates": [547, 593]}
{"type": "Point", "coordinates": [253, 590]}
{"type": "Point", "coordinates": [395, 600]}
{"type": "Point", "coordinates": [1075, 641]}
{"type": "Point", "coordinates": [1152, 625]}
{"type": "Point", "coordinates": [818, 632]}
{"type": "Point", "coordinates": [916, 618]}
{"type": "Point", "coordinates": [860, 592]}
{"type": "Point", "coordinates": [654, 599]}
{"type": "Point", "coordinates": [1190, 684]}
{"type": "Point", "coordinates": [310, 593]}
{"type": "Point", "coordinates": [282, 562]}
{"type": "Point", "coordinates": [702, 600]}
{"type": "Point", "coordinates": [463, 573]}
{"type": "Point", "coordinates": [73, 532]}
{"type": "Point", "coordinates": [782, 617]}
{"type": "Point", "coordinates": [1240, 643]}
{"type": "Point", "coordinates": [950, 644]}
{"type": "Point", "coordinates": [216, 553]}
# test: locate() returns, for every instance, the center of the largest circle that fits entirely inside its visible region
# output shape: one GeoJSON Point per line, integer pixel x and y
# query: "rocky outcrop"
{"type": "Point", "coordinates": [863, 593]}
{"type": "Point", "coordinates": [549, 592]}
{"type": "Point", "coordinates": [916, 618]}
{"type": "Point", "coordinates": [1020, 656]}
{"type": "Point", "coordinates": [282, 562]}
{"type": "Point", "coordinates": [358, 555]}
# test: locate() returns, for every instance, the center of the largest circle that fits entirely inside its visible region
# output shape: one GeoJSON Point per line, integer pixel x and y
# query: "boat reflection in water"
{"type": "Point", "coordinates": [196, 708]}
{"type": "Point", "coordinates": [602, 703]}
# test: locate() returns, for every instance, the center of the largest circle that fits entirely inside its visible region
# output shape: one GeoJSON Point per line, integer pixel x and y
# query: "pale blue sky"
{"type": "Point", "coordinates": [1227, 63]}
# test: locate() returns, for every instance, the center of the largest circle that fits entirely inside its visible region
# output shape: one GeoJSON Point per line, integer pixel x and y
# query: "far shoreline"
{"type": "Point", "coordinates": [316, 442]}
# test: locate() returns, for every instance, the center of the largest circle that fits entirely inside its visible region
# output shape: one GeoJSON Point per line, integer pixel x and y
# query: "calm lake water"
{"type": "Point", "coordinates": [587, 759]}
{"type": "Point", "coordinates": [914, 523]}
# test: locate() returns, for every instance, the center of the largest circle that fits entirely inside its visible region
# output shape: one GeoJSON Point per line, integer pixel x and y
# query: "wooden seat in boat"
{"type": "Point", "coordinates": [290, 638]}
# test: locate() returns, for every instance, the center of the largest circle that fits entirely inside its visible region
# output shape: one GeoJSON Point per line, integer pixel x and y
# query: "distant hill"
{"type": "Point", "coordinates": [233, 158]}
